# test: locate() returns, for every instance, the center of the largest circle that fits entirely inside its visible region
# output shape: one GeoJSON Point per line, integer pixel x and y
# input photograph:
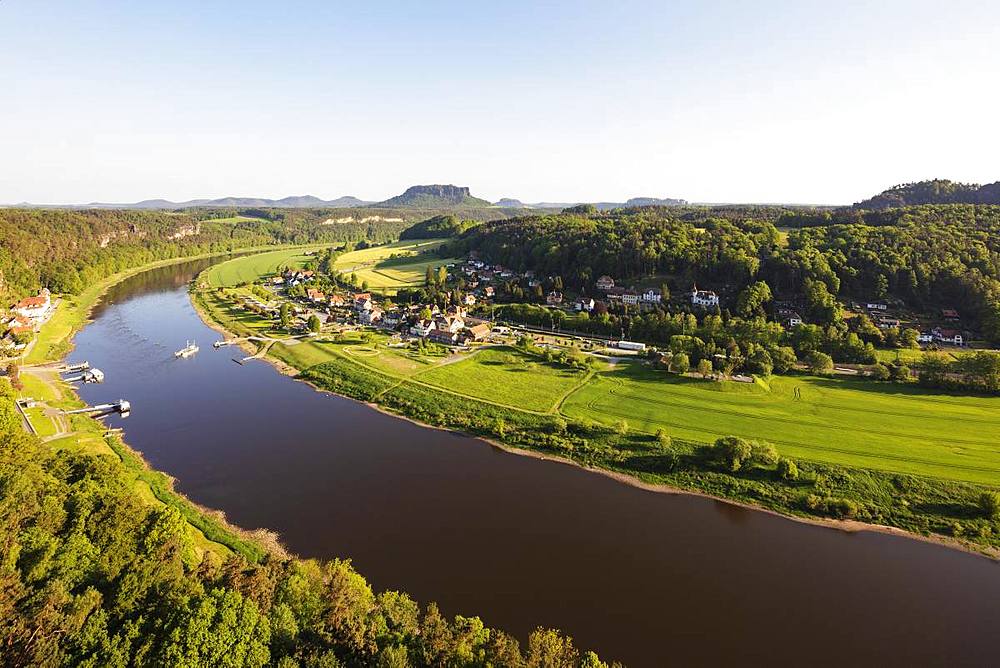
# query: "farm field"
{"type": "Point", "coordinates": [249, 268]}
{"type": "Point", "coordinates": [387, 274]}
{"type": "Point", "coordinates": [506, 376]}
{"type": "Point", "coordinates": [848, 422]}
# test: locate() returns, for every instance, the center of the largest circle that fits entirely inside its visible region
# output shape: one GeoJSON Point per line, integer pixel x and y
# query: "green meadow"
{"type": "Point", "coordinates": [250, 268]}
{"type": "Point", "coordinates": [850, 422]}
{"type": "Point", "coordinates": [387, 268]}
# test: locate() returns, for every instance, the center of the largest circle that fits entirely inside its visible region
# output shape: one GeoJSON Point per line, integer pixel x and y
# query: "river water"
{"type": "Point", "coordinates": [649, 579]}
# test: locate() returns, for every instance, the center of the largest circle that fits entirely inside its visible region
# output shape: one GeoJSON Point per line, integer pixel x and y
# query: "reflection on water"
{"type": "Point", "coordinates": [643, 577]}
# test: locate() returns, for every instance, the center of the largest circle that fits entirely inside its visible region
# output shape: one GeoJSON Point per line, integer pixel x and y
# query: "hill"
{"type": "Point", "coordinates": [437, 228]}
{"type": "Point", "coordinates": [434, 197]}
{"type": "Point", "coordinates": [935, 191]}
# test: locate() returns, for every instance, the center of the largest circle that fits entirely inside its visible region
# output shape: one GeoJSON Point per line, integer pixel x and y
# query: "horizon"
{"type": "Point", "coordinates": [725, 104]}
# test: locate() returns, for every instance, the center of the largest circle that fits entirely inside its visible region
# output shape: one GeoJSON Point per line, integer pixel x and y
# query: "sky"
{"type": "Point", "coordinates": [794, 102]}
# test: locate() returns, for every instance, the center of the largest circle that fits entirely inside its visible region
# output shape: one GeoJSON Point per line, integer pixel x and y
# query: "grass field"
{"type": "Point", "coordinates": [847, 422]}
{"type": "Point", "coordinates": [506, 376]}
{"type": "Point", "coordinates": [387, 274]}
{"type": "Point", "coordinates": [250, 268]}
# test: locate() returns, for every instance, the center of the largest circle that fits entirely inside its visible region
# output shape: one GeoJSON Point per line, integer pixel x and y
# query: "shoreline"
{"type": "Point", "coordinates": [846, 526]}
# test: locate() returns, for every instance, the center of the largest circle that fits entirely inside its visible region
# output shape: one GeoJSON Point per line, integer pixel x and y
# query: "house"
{"type": "Point", "coordinates": [315, 296]}
{"type": "Point", "coordinates": [422, 328]}
{"type": "Point", "coordinates": [336, 300]}
{"type": "Point", "coordinates": [949, 314]}
{"type": "Point", "coordinates": [876, 306]}
{"type": "Point", "coordinates": [948, 336]}
{"type": "Point", "coordinates": [33, 308]}
{"type": "Point", "coordinates": [585, 304]}
{"type": "Point", "coordinates": [469, 300]}
{"type": "Point", "coordinates": [554, 298]}
{"type": "Point", "coordinates": [443, 336]}
{"type": "Point", "coordinates": [925, 337]}
{"type": "Point", "coordinates": [453, 324]}
{"type": "Point", "coordinates": [534, 283]}
{"type": "Point", "coordinates": [477, 332]}
{"type": "Point", "coordinates": [651, 296]}
{"type": "Point", "coordinates": [888, 323]}
{"type": "Point", "coordinates": [705, 298]}
{"type": "Point", "coordinates": [363, 304]}
{"type": "Point", "coordinates": [277, 280]}
{"type": "Point", "coordinates": [489, 291]}
{"type": "Point", "coordinates": [392, 319]}
{"type": "Point", "coordinates": [630, 297]}
{"type": "Point", "coordinates": [605, 283]}
{"type": "Point", "coordinates": [454, 310]}
{"type": "Point", "coordinates": [371, 316]}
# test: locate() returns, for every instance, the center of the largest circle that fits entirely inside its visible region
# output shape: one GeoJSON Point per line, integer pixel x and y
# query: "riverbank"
{"type": "Point", "coordinates": [849, 499]}
{"type": "Point", "coordinates": [211, 531]}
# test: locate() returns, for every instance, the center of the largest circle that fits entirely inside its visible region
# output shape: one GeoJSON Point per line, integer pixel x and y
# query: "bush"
{"type": "Point", "coordinates": [663, 438]}
{"type": "Point", "coordinates": [732, 451]}
{"type": "Point", "coordinates": [787, 469]}
{"type": "Point", "coordinates": [989, 504]}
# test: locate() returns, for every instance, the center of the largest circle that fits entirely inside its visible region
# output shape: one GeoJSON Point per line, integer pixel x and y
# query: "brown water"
{"type": "Point", "coordinates": [646, 578]}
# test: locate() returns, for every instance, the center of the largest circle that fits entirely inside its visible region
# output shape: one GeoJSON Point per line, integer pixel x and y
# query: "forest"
{"type": "Point", "coordinates": [65, 250]}
{"type": "Point", "coordinates": [926, 257]}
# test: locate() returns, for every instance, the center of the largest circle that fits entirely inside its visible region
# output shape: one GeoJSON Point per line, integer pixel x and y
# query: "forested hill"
{"type": "Point", "coordinates": [66, 250]}
{"type": "Point", "coordinates": [437, 226]}
{"type": "Point", "coordinates": [937, 191]}
{"type": "Point", "coordinates": [931, 256]}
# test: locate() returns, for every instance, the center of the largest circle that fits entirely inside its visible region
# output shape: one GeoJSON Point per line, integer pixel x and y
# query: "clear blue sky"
{"type": "Point", "coordinates": [823, 102]}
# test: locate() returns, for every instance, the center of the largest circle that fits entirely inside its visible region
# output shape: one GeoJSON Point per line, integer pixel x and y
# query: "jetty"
{"type": "Point", "coordinates": [88, 376]}
{"type": "Point", "coordinates": [121, 407]}
{"type": "Point", "coordinates": [188, 350]}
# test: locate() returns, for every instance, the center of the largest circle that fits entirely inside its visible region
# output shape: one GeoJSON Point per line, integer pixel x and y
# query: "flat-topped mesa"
{"type": "Point", "coordinates": [435, 195]}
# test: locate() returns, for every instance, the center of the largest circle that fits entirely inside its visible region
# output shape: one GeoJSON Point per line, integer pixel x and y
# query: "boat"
{"type": "Point", "coordinates": [190, 349]}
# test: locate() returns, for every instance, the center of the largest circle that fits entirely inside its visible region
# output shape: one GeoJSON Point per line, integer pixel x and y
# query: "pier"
{"type": "Point", "coordinates": [121, 407]}
{"type": "Point", "coordinates": [88, 376]}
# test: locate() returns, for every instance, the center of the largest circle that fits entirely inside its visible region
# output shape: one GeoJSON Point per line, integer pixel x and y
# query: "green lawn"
{"type": "Point", "coordinates": [250, 268]}
{"type": "Point", "coordinates": [839, 421]}
{"type": "Point", "coordinates": [387, 274]}
{"type": "Point", "coordinates": [506, 376]}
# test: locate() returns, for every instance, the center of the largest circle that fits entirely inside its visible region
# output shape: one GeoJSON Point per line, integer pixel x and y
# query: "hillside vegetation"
{"type": "Point", "coordinates": [937, 191]}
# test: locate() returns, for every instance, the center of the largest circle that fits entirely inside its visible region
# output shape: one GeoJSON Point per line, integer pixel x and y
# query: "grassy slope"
{"type": "Point", "coordinates": [251, 267]}
{"type": "Point", "coordinates": [848, 422]}
{"type": "Point", "coordinates": [383, 274]}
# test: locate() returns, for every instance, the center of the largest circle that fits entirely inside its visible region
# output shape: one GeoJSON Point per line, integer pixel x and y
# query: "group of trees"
{"type": "Point", "coordinates": [93, 575]}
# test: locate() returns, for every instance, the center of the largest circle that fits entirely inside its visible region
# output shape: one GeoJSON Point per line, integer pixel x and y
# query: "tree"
{"type": "Point", "coordinates": [908, 338]}
{"type": "Point", "coordinates": [663, 438]}
{"type": "Point", "coordinates": [442, 275]}
{"type": "Point", "coordinates": [705, 368]}
{"type": "Point", "coordinates": [900, 373]}
{"type": "Point", "coordinates": [429, 276]}
{"type": "Point", "coordinates": [787, 469]}
{"type": "Point", "coordinates": [285, 315]}
{"type": "Point", "coordinates": [314, 323]}
{"type": "Point", "coordinates": [819, 362]}
{"type": "Point", "coordinates": [753, 299]}
{"type": "Point", "coordinates": [763, 453]}
{"type": "Point", "coordinates": [680, 363]}
{"type": "Point", "coordinates": [879, 372]}
{"type": "Point", "coordinates": [732, 451]}
{"type": "Point", "coordinates": [14, 373]}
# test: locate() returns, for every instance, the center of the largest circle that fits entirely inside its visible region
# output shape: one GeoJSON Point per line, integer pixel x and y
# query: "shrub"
{"type": "Point", "coordinates": [989, 504]}
{"type": "Point", "coordinates": [787, 469]}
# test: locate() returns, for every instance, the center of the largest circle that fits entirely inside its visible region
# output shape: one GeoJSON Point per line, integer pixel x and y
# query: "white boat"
{"type": "Point", "coordinates": [190, 349]}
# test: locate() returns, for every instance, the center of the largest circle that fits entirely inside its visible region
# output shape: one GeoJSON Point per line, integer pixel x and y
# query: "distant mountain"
{"type": "Point", "coordinates": [936, 191]}
{"type": "Point", "coordinates": [293, 202]}
{"type": "Point", "coordinates": [509, 203]}
{"type": "Point", "coordinates": [655, 201]}
{"type": "Point", "coordinates": [434, 197]}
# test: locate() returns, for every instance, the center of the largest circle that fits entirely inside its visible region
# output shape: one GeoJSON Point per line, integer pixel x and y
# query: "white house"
{"type": "Point", "coordinates": [705, 298]}
{"type": "Point", "coordinates": [876, 306]}
{"type": "Point", "coordinates": [470, 300]}
{"type": "Point", "coordinates": [371, 316]}
{"type": "Point", "coordinates": [422, 328]}
{"type": "Point", "coordinates": [34, 308]}
{"type": "Point", "coordinates": [586, 304]}
{"type": "Point", "coordinates": [605, 283]}
{"type": "Point", "coordinates": [925, 337]}
{"type": "Point", "coordinates": [652, 296]}
{"type": "Point", "coordinates": [948, 336]}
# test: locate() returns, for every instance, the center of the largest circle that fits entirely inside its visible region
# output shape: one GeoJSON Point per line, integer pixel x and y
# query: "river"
{"type": "Point", "coordinates": [641, 577]}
